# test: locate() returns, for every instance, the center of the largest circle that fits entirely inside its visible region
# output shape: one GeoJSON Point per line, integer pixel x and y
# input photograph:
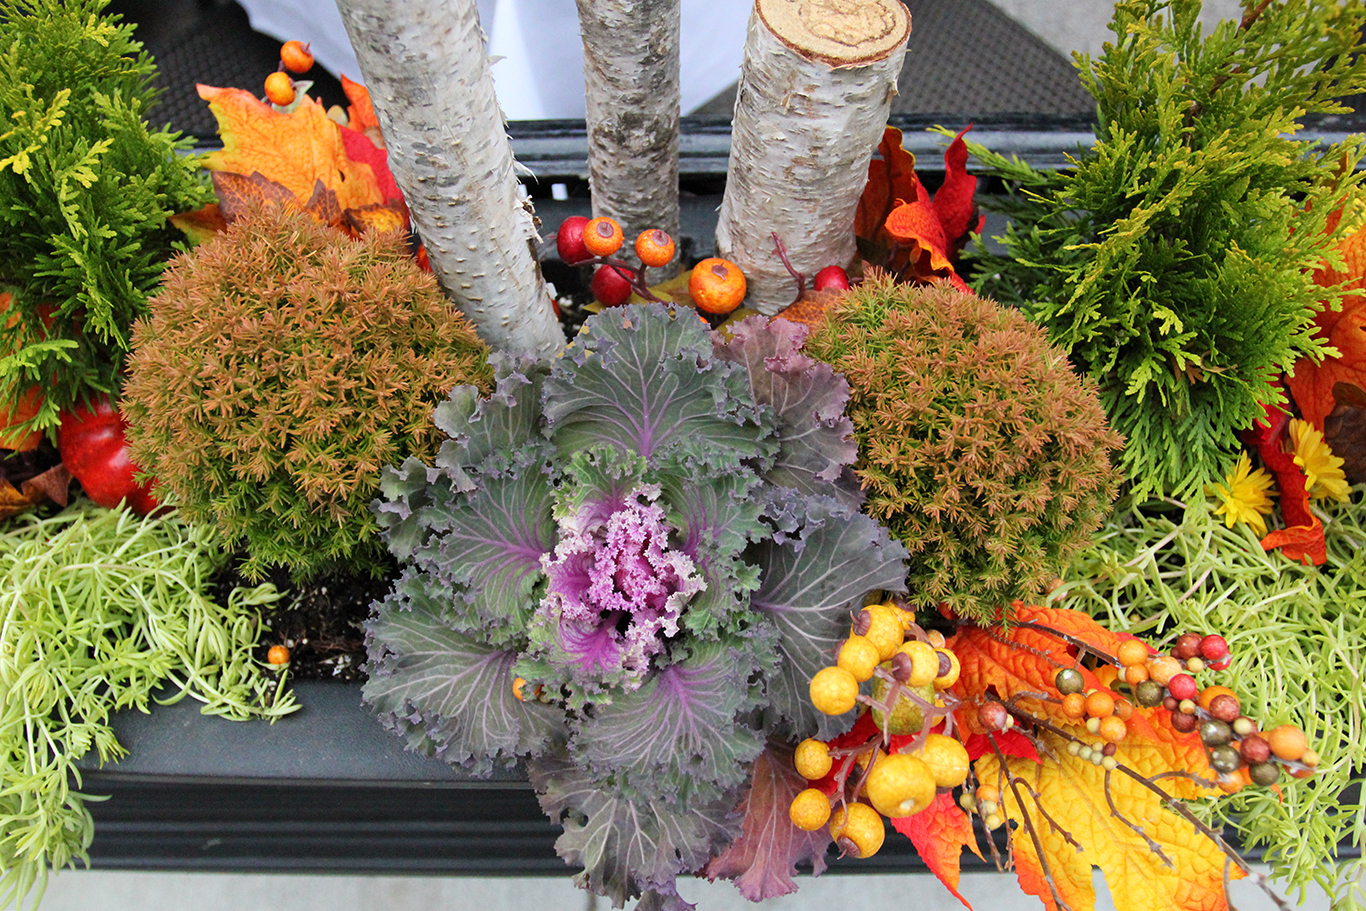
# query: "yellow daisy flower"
{"type": "Point", "coordinates": [1323, 475]}
{"type": "Point", "coordinates": [1245, 496]}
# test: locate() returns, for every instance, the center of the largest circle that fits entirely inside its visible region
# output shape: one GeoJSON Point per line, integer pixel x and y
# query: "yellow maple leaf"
{"type": "Point", "coordinates": [295, 149]}
{"type": "Point", "coordinates": [1077, 825]}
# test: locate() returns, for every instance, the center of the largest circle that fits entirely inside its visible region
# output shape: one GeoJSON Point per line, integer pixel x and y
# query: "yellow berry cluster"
{"type": "Point", "coordinates": [909, 669]}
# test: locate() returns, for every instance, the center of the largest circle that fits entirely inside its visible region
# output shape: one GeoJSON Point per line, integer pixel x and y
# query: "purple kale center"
{"type": "Point", "coordinates": [616, 591]}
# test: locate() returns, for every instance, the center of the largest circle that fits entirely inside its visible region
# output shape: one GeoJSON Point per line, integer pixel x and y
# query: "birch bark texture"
{"type": "Point", "coordinates": [816, 87]}
{"type": "Point", "coordinates": [631, 89]}
{"type": "Point", "coordinates": [428, 75]}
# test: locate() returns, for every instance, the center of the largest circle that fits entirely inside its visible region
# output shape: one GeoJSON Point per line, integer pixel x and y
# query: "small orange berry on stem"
{"type": "Point", "coordinates": [296, 57]}
{"type": "Point", "coordinates": [280, 89]}
{"type": "Point", "coordinates": [1074, 705]}
{"type": "Point", "coordinates": [716, 285]}
{"type": "Point", "coordinates": [655, 247]}
{"type": "Point", "coordinates": [1132, 652]}
{"type": "Point", "coordinates": [602, 236]}
{"type": "Point", "coordinates": [277, 655]}
{"type": "Point", "coordinates": [1100, 704]}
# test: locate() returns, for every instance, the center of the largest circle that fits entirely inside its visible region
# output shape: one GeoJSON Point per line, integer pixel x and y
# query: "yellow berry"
{"type": "Point", "coordinates": [884, 629]}
{"type": "Point", "coordinates": [812, 759]}
{"type": "Point", "coordinates": [924, 662]}
{"type": "Point", "coordinates": [833, 690]}
{"type": "Point", "coordinates": [900, 785]}
{"type": "Point", "coordinates": [861, 826]}
{"type": "Point", "coordinates": [947, 760]}
{"type": "Point", "coordinates": [1112, 729]}
{"type": "Point", "coordinates": [859, 656]}
{"type": "Point", "coordinates": [949, 677]}
{"type": "Point", "coordinates": [810, 810]}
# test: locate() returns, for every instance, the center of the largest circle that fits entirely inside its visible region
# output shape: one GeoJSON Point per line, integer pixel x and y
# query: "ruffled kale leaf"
{"type": "Point", "coordinates": [763, 860]}
{"type": "Point", "coordinates": [816, 440]}
{"type": "Point", "coordinates": [627, 845]}
{"type": "Point", "coordinates": [449, 694]}
{"type": "Point", "coordinates": [645, 382]}
{"type": "Point", "coordinates": [484, 433]}
{"type": "Point", "coordinates": [678, 737]}
{"type": "Point", "coordinates": [810, 585]}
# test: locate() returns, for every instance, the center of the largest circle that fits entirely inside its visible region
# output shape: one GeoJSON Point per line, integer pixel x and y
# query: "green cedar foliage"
{"type": "Point", "coordinates": [1175, 261]}
{"type": "Point", "coordinates": [101, 611]}
{"type": "Point", "coordinates": [979, 448]}
{"type": "Point", "coordinates": [282, 366]}
{"type": "Point", "coordinates": [86, 191]}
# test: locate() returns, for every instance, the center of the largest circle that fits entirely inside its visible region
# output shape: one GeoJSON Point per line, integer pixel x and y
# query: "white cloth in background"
{"type": "Point", "coordinates": [541, 74]}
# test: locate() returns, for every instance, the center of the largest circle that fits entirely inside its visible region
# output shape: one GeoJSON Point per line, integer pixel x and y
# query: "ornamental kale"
{"type": "Point", "coordinates": [623, 569]}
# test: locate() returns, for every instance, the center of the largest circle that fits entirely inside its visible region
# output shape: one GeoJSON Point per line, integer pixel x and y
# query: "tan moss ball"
{"type": "Point", "coordinates": [282, 365]}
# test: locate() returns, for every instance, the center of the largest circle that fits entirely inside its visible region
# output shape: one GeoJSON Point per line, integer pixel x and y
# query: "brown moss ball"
{"type": "Point", "coordinates": [979, 447]}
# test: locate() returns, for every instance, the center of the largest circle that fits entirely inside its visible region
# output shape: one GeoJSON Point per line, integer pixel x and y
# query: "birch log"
{"type": "Point", "coordinates": [428, 75]}
{"type": "Point", "coordinates": [630, 74]}
{"type": "Point", "coordinates": [816, 87]}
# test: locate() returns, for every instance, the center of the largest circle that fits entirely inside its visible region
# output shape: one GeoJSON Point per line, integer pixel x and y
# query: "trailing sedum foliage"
{"type": "Point", "coordinates": [101, 610]}
{"type": "Point", "coordinates": [1174, 263]}
{"type": "Point", "coordinates": [658, 536]}
{"type": "Point", "coordinates": [86, 193]}
{"type": "Point", "coordinates": [978, 447]}
{"type": "Point", "coordinates": [1298, 654]}
{"type": "Point", "coordinates": [283, 364]}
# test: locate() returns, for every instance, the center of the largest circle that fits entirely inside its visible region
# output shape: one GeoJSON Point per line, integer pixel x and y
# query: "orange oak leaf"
{"type": "Point", "coordinates": [1024, 657]}
{"type": "Point", "coordinates": [1083, 815]}
{"type": "Point", "coordinates": [240, 193]}
{"type": "Point", "coordinates": [1311, 384]}
{"type": "Point", "coordinates": [296, 149]}
{"type": "Point", "coordinates": [939, 833]}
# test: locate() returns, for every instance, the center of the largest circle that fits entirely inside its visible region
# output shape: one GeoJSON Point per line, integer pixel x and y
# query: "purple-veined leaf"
{"type": "Point", "coordinates": [676, 737]}
{"type": "Point", "coordinates": [816, 439]}
{"type": "Point", "coordinates": [643, 381]}
{"type": "Point", "coordinates": [763, 860]}
{"type": "Point", "coordinates": [809, 586]}
{"type": "Point", "coordinates": [449, 693]}
{"type": "Point", "coordinates": [626, 845]}
{"type": "Point", "coordinates": [486, 432]}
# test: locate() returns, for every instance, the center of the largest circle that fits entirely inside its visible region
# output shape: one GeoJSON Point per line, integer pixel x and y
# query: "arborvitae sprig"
{"type": "Point", "coordinates": [978, 447]}
{"type": "Point", "coordinates": [1175, 261]}
{"type": "Point", "coordinates": [282, 366]}
{"type": "Point", "coordinates": [86, 190]}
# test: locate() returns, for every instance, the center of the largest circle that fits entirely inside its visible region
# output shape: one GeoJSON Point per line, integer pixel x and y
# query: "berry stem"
{"type": "Point", "coordinates": [636, 277]}
{"type": "Point", "coordinates": [1029, 827]}
{"type": "Point", "coordinates": [787, 264]}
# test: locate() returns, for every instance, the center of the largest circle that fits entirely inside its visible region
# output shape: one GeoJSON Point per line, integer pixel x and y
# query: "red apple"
{"type": "Point", "coordinates": [831, 277]}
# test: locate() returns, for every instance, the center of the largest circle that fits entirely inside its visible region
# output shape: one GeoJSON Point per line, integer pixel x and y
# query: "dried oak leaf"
{"type": "Point", "coordinates": [1078, 825]}
{"type": "Point", "coordinates": [809, 309]}
{"type": "Point", "coordinates": [762, 861]}
{"type": "Point", "coordinates": [1311, 384]}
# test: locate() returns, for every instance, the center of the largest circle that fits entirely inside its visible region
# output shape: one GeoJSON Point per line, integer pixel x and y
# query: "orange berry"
{"type": "Point", "coordinates": [1100, 704]}
{"type": "Point", "coordinates": [716, 285]}
{"type": "Point", "coordinates": [1132, 652]}
{"type": "Point", "coordinates": [602, 236]}
{"type": "Point", "coordinates": [1074, 705]}
{"type": "Point", "coordinates": [936, 638]}
{"type": "Point", "coordinates": [1163, 668]}
{"type": "Point", "coordinates": [1113, 729]}
{"type": "Point", "coordinates": [1135, 674]}
{"type": "Point", "coordinates": [1124, 709]}
{"type": "Point", "coordinates": [1287, 742]}
{"type": "Point", "coordinates": [655, 247]}
{"type": "Point", "coordinates": [280, 89]}
{"type": "Point", "coordinates": [518, 689]}
{"type": "Point", "coordinates": [987, 793]}
{"type": "Point", "coordinates": [296, 57]}
{"type": "Point", "coordinates": [277, 655]}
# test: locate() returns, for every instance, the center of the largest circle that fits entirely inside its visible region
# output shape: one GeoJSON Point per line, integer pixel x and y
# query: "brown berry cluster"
{"type": "Point", "coordinates": [1238, 751]}
{"type": "Point", "coordinates": [895, 766]}
{"type": "Point", "coordinates": [716, 286]}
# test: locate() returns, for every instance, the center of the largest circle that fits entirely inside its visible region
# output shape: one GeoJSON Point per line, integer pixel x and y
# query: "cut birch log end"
{"type": "Point", "coordinates": [630, 69]}
{"type": "Point", "coordinates": [815, 90]}
{"type": "Point", "coordinates": [428, 75]}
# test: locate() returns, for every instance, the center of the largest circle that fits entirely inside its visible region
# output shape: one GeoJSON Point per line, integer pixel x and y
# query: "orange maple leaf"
{"type": "Point", "coordinates": [1312, 383]}
{"type": "Point", "coordinates": [891, 176]}
{"type": "Point", "coordinates": [939, 833]}
{"type": "Point", "coordinates": [361, 113]}
{"type": "Point", "coordinates": [296, 149]}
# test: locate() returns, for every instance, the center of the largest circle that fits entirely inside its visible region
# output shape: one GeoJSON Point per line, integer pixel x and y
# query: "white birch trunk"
{"type": "Point", "coordinates": [428, 75]}
{"type": "Point", "coordinates": [815, 90]}
{"type": "Point", "coordinates": [630, 74]}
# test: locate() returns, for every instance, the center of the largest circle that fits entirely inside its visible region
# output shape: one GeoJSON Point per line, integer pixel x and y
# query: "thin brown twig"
{"type": "Point", "coordinates": [1114, 811]}
{"type": "Point", "coordinates": [787, 264]}
{"type": "Point", "coordinates": [1028, 824]}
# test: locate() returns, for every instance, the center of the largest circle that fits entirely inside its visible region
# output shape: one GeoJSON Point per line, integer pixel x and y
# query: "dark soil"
{"type": "Point", "coordinates": [320, 621]}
